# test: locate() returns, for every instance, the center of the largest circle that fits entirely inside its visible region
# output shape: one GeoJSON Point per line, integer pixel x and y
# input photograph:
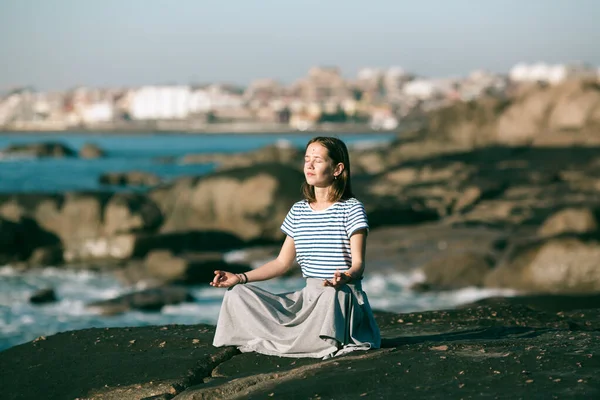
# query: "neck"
{"type": "Point", "coordinates": [322, 195]}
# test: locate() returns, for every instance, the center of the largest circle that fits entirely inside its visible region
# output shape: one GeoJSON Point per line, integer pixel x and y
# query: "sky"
{"type": "Point", "coordinates": [59, 44]}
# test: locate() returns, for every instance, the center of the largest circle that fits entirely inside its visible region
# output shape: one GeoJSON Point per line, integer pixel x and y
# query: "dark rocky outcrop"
{"type": "Point", "coordinates": [131, 178]}
{"type": "Point", "coordinates": [20, 237]}
{"type": "Point", "coordinates": [43, 296]}
{"type": "Point", "coordinates": [505, 350]}
{"type": "Point", "coordinates": [44, 149]}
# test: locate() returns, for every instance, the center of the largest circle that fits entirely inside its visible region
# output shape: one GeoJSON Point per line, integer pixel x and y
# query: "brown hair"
{"type": "Point", "coordinates": [338, 153]}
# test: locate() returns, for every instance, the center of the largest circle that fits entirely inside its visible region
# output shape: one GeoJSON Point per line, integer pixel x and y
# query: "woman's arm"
{"type": "Point", "coordinates": [272, 269]}
{"type": "Point", "coordinates": [358, 249]}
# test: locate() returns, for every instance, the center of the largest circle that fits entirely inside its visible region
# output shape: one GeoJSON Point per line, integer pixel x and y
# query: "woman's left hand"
{"type": "Point", "coordinates": [339, 279]}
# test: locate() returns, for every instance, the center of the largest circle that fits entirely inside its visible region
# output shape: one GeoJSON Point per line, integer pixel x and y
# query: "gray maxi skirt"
{"type": "Point", "coordinates": [317, 321]}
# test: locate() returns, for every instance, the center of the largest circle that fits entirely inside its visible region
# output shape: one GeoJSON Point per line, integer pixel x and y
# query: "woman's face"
{"type": "Point", "coordinates": [318, 167]}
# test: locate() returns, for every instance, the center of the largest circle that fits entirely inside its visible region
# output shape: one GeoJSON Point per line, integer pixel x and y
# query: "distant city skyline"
{"type": "Point", "coordinates": [57, 44]}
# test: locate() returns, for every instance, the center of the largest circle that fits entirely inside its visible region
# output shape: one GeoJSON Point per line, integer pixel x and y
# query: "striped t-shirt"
{"type": "Point", "coordinates": [322, 238]}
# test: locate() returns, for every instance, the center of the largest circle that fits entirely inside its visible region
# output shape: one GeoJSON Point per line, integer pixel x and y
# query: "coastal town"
{"type": "Point", "coordinates": [375, 99]}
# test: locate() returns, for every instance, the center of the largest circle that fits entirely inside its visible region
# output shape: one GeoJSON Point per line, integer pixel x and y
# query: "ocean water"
{"type": "Point", "coordinates": [127, 152]}
{"type": "Point", "coordinates": [21, 321]}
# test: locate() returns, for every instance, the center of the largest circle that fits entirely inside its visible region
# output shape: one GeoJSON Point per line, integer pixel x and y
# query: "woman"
{"type": "Point", "coordinates": [327, 233]}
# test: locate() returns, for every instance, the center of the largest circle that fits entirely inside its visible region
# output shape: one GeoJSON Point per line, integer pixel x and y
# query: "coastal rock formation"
{"type": "Point", "coordinates": [567, 264]}
{"type": "Point", "coordinates": [85, 225]}
{"type": "Point", "coordinates": [511, 350]}
{"type": "Point", "coordinates": [20, 237]}
{"type": "Point", "coordinates": [457, 270]}
{"type": "Point", "coordinates": [564, 114]}
{"type": "Point", "coordinates": [570, 220]}
{"type": "Point", "coordinates": [91, 150]}
{"type": "Point", "coordinates": [44, 149]}
{"type": "Point", "coordinates": [248, 202]}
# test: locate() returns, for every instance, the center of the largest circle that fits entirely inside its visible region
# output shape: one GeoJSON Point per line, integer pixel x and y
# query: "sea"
{"type": "Point", "coordinates": [21, 321]}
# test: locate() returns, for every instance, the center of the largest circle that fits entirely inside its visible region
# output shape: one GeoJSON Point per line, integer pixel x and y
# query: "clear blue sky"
{"type": "Point", "coordinates": [56, 44]}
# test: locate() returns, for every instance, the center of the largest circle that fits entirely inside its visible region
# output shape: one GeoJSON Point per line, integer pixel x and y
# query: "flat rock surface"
{"type": "Point", "coordinates": [505, 350]}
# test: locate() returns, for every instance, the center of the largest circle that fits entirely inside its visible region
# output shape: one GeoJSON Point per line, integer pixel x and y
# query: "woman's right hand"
{"type": "Point", "coordinates": [224, 279]}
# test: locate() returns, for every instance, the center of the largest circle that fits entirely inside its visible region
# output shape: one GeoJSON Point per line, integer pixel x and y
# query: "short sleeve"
{"type": "Point", "coordinates": [356, 218]}
{"type": "Point", "coordinates": [289, 223]}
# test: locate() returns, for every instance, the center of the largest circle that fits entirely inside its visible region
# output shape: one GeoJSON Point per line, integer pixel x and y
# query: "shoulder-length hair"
{"type": "Point", "coordinates": [338, 153]}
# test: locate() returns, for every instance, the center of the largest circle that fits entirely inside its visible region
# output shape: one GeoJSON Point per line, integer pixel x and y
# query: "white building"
{"type": "Point", "coordinates": [425, 89]}
{"type": "Point", "coordinates": [97, 113]}
{"type": "Point", "coordinates": [553, 74]}
{"type": "Point", "coordinates": [8, 108]}
{"type": "Point", "coordinates": [160, 102]}
{"type": "Point", "coordinates": [214, 97]}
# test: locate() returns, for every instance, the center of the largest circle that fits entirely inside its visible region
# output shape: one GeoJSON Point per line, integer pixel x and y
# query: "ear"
{"type": "Point", "coordinates": [339, 168]}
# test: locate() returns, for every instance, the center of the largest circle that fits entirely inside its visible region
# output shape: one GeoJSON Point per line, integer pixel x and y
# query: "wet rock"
{"type": "Point", "coordinates": [90, 150]}
{"type": "Point", "coordinates": [44, 149]}
{"type": "Point", "coordinates": [43, 296]}
{"type": "Point", "coordinates": [153, 299]}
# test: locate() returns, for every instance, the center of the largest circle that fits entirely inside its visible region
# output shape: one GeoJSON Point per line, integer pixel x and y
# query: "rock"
{"type": "Point", "coordinates": [477, 190]}
{"type": "Point", "coordinates": [112, 363]}
{"type": "Point", "coordinates": [483, 349]}
{"type": "Point", "coordinates": [105, 248]}
{"type": "Point", "coordinates": [90, 150]}
{"type": "Point", "coordinates": [132, 178]}
{"type": "Point", "coordinates": [555, 265]}
{"type": "Point", "coordinates": [75, 217]}
{"type": "Point", "coordinates": [19, 238]}
{"type": "Point", "coordinates": [43, 296]}
{"type": "Point", "coordinates": [527, 117]}
{"type": "Point", "coordinates": [87, 225]}
{"type": "Point", "coordinates": [281, 153]}
{"type": "Point", "coordinates": [44, 149]}
{"type": "Point", "coordinates": [188, 268]}
{"type": "Point", "coordinates": [570, 220]}
{"type": "Point", "coordinates": [131, 212]}
{"type": "Point", "coordinates": [46, 256]}
{"type": "Point", "coordinates": [250, 203]}
{"type": "Point", "coordinates": [153, 299]}
{"type": "Point", "coordinates": [457, 270]}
